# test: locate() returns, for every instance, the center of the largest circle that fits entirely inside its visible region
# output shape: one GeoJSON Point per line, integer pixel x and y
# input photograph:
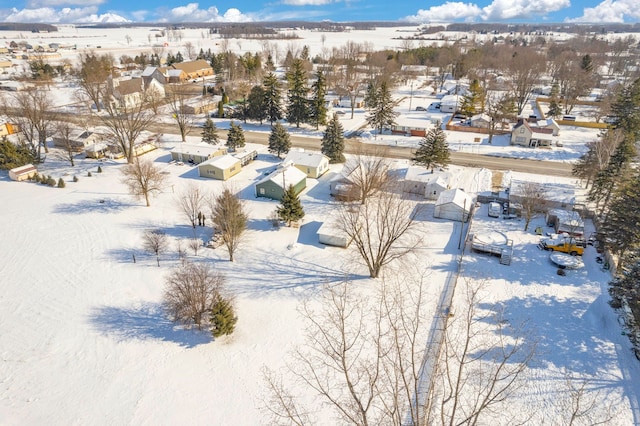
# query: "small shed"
{"type": "Point", "coordinates": [313, 164]}
{"type": "Point", "coordinates": [23, 172]}
{"type": "Point", "coordinates": [453, 204]}
{"type": "Point", "coordinates": [196, 153]}
{"type": "Point", "coordinates": [221, 168]}
{"type": "Point", "coordinates": [274, 185]}
{"type": "Point", "coordinates": [565, 222]}
{"type": "Point", "coordinates": [331, 235]}
{"type": "Point", "coordinates": [482, 121]}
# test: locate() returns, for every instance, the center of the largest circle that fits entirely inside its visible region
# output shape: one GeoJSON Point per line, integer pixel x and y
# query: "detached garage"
{"type": "Point", "coordinates": [23, 172]}
{"type": "Point", "coordinates": [221, 168]}
{"type": "Point", "coordinates": [274, 185]}
{"type": "Point", "coordinates": [330, 235]}
{"type": "Point", "coordinates": [453, 204]}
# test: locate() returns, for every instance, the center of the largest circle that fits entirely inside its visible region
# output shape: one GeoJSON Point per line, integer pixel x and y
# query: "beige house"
{"type": "Point", "coordinates": [313, 164]}
{"type": "Point", "coordinates": [194, 69]}
{"type": "Point", "coordinates": [221, 168]}
{"type": "Point", "coordinates": [524, 134]}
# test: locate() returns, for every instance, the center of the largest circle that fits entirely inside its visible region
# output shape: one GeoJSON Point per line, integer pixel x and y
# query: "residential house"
{"type": "Point", "coordinates": [7, 129]}
{"type": "Point", "coordinates": [313, 164]}
{"type": "Point", "coordinates": [196, 153]}
{"type": "Point", "coordinates": [524, 134]}
{"type": "Point", "coordinates": [549, 123]}
{"type": "Point", "coordinates": [421, 181]}
{"type": "Point", "coordinates": [222, 167]}
{"type": "Point", "coordinates": [153, 73]}
{"type": "Point", "coordinates": [194, 69]}
{"type": "Point", "coordinates": [274, 185]}
{"type": "Point", "coordinates": [78, 139]}
{"type": "Point", "coordinates": [130, 93]}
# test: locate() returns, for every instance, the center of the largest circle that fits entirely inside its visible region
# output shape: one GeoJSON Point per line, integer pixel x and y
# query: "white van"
{"type": "Point", "coordinates": [494, 209]}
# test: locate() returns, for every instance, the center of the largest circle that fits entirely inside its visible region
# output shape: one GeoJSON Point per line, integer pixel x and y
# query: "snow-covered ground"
{"type": "Point", "coordinates": [83, 338]}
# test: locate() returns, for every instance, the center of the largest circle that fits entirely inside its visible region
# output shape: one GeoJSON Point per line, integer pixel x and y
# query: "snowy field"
{"type": "Point", "coordinates": [84, 340]}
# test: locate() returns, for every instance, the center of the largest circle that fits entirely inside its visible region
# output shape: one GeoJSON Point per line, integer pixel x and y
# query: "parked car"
{"type": "Point", "coordinates": [419, 108]}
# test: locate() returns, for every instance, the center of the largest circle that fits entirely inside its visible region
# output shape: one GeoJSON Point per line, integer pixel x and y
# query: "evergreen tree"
{"type": "Point", "coordinates": [317, 106]}
{"type": "Point", "coordinates": [333, 141]}
{"type": "Point", "coordinates": [179, 58]}
{"type": "Point", "coordinates": [290, 209]}
{"type": "Point", "coordinates": [223, 318]}
{"type": "Point", "coordinates": [297, 103]}
{"type": "Point", "coordinates": [622, 226]}
{"type": "Point", "coordinates": [371, 96]}
{"type": "Point", "coordinates": [257, 105]}
{"type": "Point", "coordinates": [210, 132]}
{"type": "Point", "coordinates": [433, 150]}
{"type": "Point", "coordinates": [235, 137]}
{"type": "Point", "coordinates": [279, 140]}
{"type": "Point", "coordinates": [606, 179]}
{"type": "Point", "coordinates": [12, 155]}
{"type": "Point", "coordinates": [555, 110]}
{"type": "Point", "coordinates": [61, 183]}
{"type": "Point", "coordinates": [586, 63]}
{"type": "Point", "coordinates": [382, 115]}
{"type": "Point", "coordinates": [473, 101]}
{"type": "Point", "coordinates": [272, 98]}
{"type": "Point", "coordinates": [626, 109]}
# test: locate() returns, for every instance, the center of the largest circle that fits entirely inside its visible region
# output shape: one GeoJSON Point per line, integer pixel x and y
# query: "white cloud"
{"type": "Point", "coordinates": [192, 12]}
{"type": "Point", "coordinates": [449, 11]}
{"type": "Point", "coordinates": [610, 11]}
{"type": "Point", "coordinates": [500, 10]}
{"type": "Point", "coordinates": [38, 4]}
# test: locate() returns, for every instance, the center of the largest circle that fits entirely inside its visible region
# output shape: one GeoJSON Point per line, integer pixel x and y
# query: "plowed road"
{"type": "Point", "coordinates": [550, 168]}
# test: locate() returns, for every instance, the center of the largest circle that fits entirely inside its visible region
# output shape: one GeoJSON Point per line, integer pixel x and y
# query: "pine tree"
{"type": "Point", "coordinates": [333, 141]}
{"type": "Point", "coordinates": [606, 179]}
{"type": "Point", "coordinates": [433, 150]}
{"type": "Point", "coordinates": [317, 106]}
{"type": "Point", "coordinates": [371, 96]}
{"type": "Point", "coordinates": [555, 110]}
{"type": "Point", "coordinates": [257, 105]}
{"type": "Point", "coordinates": [223, 318]}
{"type": "Point", "coordinates": [290, 209]}
{"type": "Point", "coordinates": [297, 103]}
{"type": "Point", "coordinates": [626, 109]}
{"type": "Point", "coordinates": [622, 226]}
{"type": "Point", "coordinates": [382, 115]}
{"type": "Point", "coordinates": [210, 132]}
{"type": "Point", "coordinates": [473, 101]}
{"type": "Point", "coordinates": [279, 140]}
{"type": "Point", "coordinates": [235, 137]}
{"type": "Point", "coordinates": [272, 98]}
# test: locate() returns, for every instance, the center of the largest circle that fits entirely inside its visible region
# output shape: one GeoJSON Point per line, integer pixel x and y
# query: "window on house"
{"type": "Point", "coordinates": [261, 191]}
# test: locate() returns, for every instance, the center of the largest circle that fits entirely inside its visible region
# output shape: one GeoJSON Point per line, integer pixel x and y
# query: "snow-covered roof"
{"type": "Point", "coordinates": [285, 175]}
{"type": "Point", "coordinates": [148, 71]}
{"type": "Point", "coordinates": [197, 149]}
{"type": "Point", "coordinates": [420, 174]}
{"type": "Point", "coordinates": [222, 162]}
{"type": "Point", "coordinates": [455, 196]}
{"type": "Point", "coordinates": [300, 157]}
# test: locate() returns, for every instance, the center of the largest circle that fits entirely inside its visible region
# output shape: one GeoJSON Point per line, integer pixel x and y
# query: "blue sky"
{"type": "Point", "coordinates": [76, 11]}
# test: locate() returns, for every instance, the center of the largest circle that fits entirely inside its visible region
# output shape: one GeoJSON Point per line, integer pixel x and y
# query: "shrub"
{"type": "Point", "coordinates": [61, 183]}
{"type": "Point", "coordinates": [51, 181]}
{"type": "Point", "coordinates": [75, 178]}
{"type": "Point", "coordinates": [89, 174]}
{"type": "Point", "coordinates": [223, 319]}
{"type": "Point", "coordinates": [99, 169]}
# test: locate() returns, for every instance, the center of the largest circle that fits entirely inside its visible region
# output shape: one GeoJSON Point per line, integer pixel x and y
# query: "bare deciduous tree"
{"type": "Point", "coordinates": [177, 96]}
{"type": "Point", "coordinates": [481, 365]}
{"type": "Point", "coordinates": [92, 77]}
{"type": "Point", "coordinates": [367, 173]}
{"type": "Point", "coordinates": [190, 291]}
{"type": "Point", "coordinates": [143, 178]}
{"type": "Point", "coordinates": [380, 228]}
{"type": "Point", "coordinates": [229, 217]}
{"type": "Point", "coordinates": [63, 130]}
{"type": "Point", "coordinates": [191, 200]}
{"type": "Point", "coordinates": [531, 196]}
{"type": "Point", "coordinates": [156, 242]}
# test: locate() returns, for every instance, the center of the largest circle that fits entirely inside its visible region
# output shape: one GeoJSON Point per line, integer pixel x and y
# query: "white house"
{"type": "Point", "coordinates": [313, 164]}
{"type": "Point", "coordinates": [453, 204]}
{"type": "Point", "coordinates": [419, 180]}
{"type": "Point", "coordinates": [195, 153]}
{"type": "Point", "coordinates": [549, 123]}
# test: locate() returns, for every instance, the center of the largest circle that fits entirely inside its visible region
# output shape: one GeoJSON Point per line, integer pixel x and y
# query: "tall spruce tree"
{"type": "Point", "coordinates": [317, 105]}
{"type": "Point", "coordinates": [626, 109]}
{"type": "Point", "coordinates": [622, 226]}
{"type": "Point", "coordinates": [257, 109]}
{"type": "Point", "coordinates": [290, 208]}
{"type": "Point", "coordinates": [473, 101]}
{"type": "Point", "coordinates": [235, 137]}
{"type": "Point", "coordinates": [433, 150]}
{"type": "Point", "coordinates": [210, 132]}
{"type": "Point", "coordinates": [297, 102]}
{"type": "Point", "coordinates": [606, 179]}
{"type": "Point", "coordinates": [272, 98]}
{"type": "Point", "coordinates": [382, 114]}
{"type": "Point", "coordinates": [555, 110]}
{"type": "Point", "coordinates": [279, 140]}
{"type": "Point", "coordinates": [333, 141]}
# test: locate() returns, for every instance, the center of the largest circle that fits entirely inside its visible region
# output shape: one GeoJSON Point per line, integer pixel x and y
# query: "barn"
{"type": "Point", "coordinates": [23, 172]}
{"type": "Point", "coordinates": [221, 168]}
{"type": "Point", "coordinates": [453, 204]}
{"type": "Point", "coordinates": [274, 185]}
